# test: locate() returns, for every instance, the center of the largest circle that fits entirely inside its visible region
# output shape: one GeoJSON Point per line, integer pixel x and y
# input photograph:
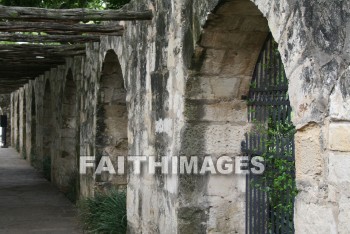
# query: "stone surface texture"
{"type": "Point", "coordinates": [185, 74]}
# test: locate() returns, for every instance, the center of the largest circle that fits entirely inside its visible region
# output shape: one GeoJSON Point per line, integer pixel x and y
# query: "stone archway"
{"type": "Point", "coordinates": [18, 124]}
{"type": "Point", "coordinates": [216, 116]}
{"type": "Point", "coordinates": [47, 132]}
{"type": "Point", "coordinates": [24, 127]}
{"type": "Point", "coordinates": [66, 165]}
{"type": "Point", "coordinates": [112, 119]}
{"type": "Point", "coordinates": [33, 131]}
{"type": "Point", "coordinates": [12, 140]}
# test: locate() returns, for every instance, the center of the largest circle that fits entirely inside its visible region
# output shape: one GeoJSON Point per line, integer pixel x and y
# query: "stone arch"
{"type": "Point", "coordinates": [12, 121]}
{"type": "Point", "coordinates": [47, 131]}
{"type": "Point", "coordinates": [24, 126]}
{"type": "Point", "coordinates": [112, 118]}
{"type": "Point", "coordinates": [66, 177]}
{"type": "Point", "coordinates": [17, 123]}
{"type": "Point", "coordinates": [216, 115]}
{"type": "Point", "coordinates": [33, 127]}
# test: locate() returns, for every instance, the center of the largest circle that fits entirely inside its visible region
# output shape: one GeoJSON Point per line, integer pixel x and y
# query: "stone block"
{"type": "Point", "coordinates": [309, 161]}
{"type": "Point", "coordinates": [224, 138]}
{"type": "Point", "coordinates": [213, 60]}
{"type": "Point", "coordinates": [224, 22]}
{"type": "Point", "coordinates": [339, 107]}
{"type": "Point", "coordinates": [240, 62]}
{"type": "Point", "coordinates": [222, 39]}
{"type": "Point", "coordinates": [313, 218]}
{"type": "Point", "coordinates": [227, 111]}
{"type": "Point", "coordinates": [338, 167]}
{"type": "Point", "coordinates": [344, 215]}
{"type": "Point", "coordinates": [339, 136]}
{"type": "Point", "coordinates": [239, 8]}
{"type": "Point", "coordinates": [214, 87]}
{"type": "Point", "coordinates": [254, 23]}
{"type": "Point", "coordinates": [213, 139]}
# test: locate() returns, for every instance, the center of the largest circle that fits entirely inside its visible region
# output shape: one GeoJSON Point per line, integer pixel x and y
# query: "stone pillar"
{"type": "Point", "coordinates": [323, 178]}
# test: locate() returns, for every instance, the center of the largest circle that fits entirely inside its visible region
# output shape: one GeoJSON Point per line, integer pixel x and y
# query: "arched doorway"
{"type": "Point", "coordinates": [33, 124]}
{"type": "Point", "coordinates": [216, 116]}
{"type": "Point", "coordinates": [24, 127]}
{"type": "Point", "coordinates": [12, 114]}
{"type": "Point", "coordinates": [66, 177]}
{"type": "Point", "coordinates": [18, 124]}
{"type": "Point", "coordinates": [270, 195]}
{"type": "Point", "coordinates": [47, 132]}
{"type": "Point", "coordinates": [112, 120]}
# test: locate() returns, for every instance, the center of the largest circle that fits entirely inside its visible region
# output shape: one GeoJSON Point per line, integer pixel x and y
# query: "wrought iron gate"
{"type": "Point", "coordinates": [270, 196]}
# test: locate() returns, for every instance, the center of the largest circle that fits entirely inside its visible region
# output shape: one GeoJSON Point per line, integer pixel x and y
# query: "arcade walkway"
{"type": "Point", "coordinates": [29, 203]}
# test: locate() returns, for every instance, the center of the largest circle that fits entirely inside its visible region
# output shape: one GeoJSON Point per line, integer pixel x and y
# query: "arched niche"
{"type": "Point", "coordinates": [24, 127]}
{"type": "Point", "coordinates": [17, 124]}
{"type": "Point", "coordinates": [66, 172]}
{"type": "Point", "coordinates": [33, 131]}
{"type": "Point", "coordinates": [216, 116]}
{"type": "Point", "coordinates": [111, 119]}
{"type": "Point", "coordinates": [47, 132]}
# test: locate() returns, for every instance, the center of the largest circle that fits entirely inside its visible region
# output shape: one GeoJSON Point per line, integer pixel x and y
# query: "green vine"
{"type": "Point", "coordinates": [278, 180]}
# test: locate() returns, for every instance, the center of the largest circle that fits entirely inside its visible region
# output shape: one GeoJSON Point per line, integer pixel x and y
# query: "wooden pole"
{"type": "Point", "coordinates": [58, 28]}
{"type": "Point", "coordinates": [14, 37]}
{"type": "Point", "coordinates": [23, 51]}
{"type": "Point", "coordinates": [78, 14]}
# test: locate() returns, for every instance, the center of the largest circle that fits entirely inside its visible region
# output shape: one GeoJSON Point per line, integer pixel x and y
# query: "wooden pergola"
{"type": "Point", "coordinates": [66, 31]}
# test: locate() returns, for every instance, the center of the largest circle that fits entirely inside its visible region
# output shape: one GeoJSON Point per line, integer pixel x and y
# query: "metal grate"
{"type": "Point", "coordinates": [269, 208]}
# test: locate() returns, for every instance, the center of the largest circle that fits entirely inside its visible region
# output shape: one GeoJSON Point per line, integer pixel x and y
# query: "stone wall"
{"type": "Point", "coordinates": [313, 39]}
{"type": "Point", "coordinates": [184, 74]}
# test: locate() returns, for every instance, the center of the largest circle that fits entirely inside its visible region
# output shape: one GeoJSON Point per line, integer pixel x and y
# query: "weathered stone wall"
{"type": "Point", "coordinates": [185, 73]}
{"type": "Point", "coordinates": [313, 39]}
{"type": "Point", "coordinates": [216, 115]}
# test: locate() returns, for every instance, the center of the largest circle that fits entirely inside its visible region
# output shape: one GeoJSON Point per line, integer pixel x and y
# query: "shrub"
{"type": "Point", "coordinates": [104, 213]}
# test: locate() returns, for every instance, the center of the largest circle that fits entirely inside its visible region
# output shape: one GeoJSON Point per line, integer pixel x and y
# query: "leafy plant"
{"type": "Point", "coordinates": [278, 180]}
{"type": "Point", "coordinates": [104, 213]}
{"type": "Point", "coordinates": [273, 138]}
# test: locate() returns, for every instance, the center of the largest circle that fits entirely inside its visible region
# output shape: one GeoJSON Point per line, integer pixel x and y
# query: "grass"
{"type": "Point", "coordinates": [104, 213]}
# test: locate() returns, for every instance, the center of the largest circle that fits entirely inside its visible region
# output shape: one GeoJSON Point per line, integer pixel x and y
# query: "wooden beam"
{"type": "Point", "coordinates": [30, 54]}
{"type": "Point", "coordinates": [41, 47]}
{"type": "Point", "coordinates": [58, 28]}
{"type": "Point", "coordinates": [25, 72]}
{"type": "Point", "coordinates": [31, 61]}
{"type": "Point", "coordinates": [14, 82]}
{"type": "Point", "coordinates": [14, 37]}
{"type": "Point", "coordinates": [20, 51]}
{"type": "Point", "coordinates": [79, 14]}
{"type": "Point", "coordinates": [26, 67]}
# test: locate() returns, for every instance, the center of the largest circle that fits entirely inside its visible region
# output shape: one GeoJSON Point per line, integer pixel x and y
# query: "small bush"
{"type": "Point", "coordinates": [104, 213]}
